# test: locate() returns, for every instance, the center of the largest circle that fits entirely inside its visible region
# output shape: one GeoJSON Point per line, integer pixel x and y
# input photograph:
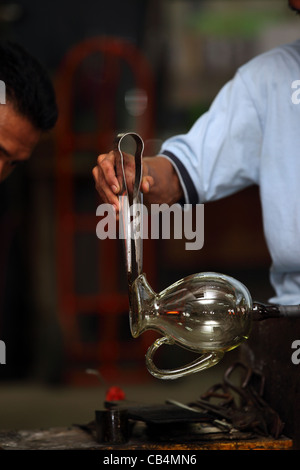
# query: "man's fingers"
{"type": "Point", "coordinates": [146, 184]}
{"type": "Point", "coordinates": [107, 163]}
{"type": "Point", "coordinates": [103, 188]}
{"type": "Point", "coordinates": [108, 176]}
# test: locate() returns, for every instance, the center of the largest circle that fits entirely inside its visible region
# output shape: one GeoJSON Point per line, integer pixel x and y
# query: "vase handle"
{"type": "Point", "coordinates": [205, 361]}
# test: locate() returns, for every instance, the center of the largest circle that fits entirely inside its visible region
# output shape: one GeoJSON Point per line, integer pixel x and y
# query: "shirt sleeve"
{"type": "Point", "coordinates": [220, 154]}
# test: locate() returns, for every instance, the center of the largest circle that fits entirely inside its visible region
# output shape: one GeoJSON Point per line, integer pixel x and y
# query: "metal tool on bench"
{"type": "Point", "coordinates": [238, 409]}
{"type": "Point", "coordinates": [252, 413]}
{"type": "Point", "coordinates": [208, 313]}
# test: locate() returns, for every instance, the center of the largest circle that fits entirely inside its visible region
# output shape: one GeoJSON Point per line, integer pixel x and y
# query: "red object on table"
{"type": "Point", "coordinates": [115, 394]}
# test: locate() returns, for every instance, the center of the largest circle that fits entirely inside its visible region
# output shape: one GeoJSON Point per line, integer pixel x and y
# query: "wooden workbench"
{"type": "Point", "coordinates": [76, 438]}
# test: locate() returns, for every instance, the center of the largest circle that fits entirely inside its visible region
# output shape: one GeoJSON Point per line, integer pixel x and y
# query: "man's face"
{"type": "Point", "coordinates": [295, 4]}
{"type": "Point", "coordinates": [18, 137]}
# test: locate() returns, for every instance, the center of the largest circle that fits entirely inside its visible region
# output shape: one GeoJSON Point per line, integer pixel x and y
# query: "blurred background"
{"type": "Point", "coordinates": [151, 67]}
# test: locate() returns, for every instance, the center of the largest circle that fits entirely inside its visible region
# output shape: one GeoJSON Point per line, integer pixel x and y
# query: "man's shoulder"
{"type": "Point", "coordinates": [284, 58]}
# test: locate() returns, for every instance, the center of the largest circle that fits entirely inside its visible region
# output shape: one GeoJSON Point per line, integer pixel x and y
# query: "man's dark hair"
{"type": "Point", "coordinates": [295, 9]}
{"type": "Point", "coordinates": [28, 87]}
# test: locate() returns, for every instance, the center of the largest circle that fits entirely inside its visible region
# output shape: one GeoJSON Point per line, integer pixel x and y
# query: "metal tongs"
{"type": "Point", "coordinates": [131, 207]}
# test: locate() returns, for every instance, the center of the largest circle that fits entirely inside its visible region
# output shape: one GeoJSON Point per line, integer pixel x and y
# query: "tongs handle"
{"type": "Point", "coordinates": [120, 170]}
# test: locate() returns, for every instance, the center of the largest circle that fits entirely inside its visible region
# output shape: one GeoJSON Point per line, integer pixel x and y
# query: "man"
{"type": "Point", "coordinates": [249, 136]}
{"type": "Point", "coordinates": [29, 108]}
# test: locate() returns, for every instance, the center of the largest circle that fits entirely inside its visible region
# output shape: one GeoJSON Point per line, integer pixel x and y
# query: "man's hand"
{"type": "Point", "coordinates": [107, 183]}
{"type": "Point", "coordinates": [159, 180]}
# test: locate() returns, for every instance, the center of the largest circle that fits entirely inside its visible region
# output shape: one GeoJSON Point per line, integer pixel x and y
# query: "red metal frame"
{"type": "Point", "coordinates": [109, 302]}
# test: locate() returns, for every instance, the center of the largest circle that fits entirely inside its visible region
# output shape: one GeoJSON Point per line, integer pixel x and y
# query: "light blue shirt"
{"type": "Point", "coordinates": [251, 135]}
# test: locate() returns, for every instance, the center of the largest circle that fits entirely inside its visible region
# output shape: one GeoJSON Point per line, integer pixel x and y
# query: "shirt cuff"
{"type": "Point", "coordinates": [188, 187]}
